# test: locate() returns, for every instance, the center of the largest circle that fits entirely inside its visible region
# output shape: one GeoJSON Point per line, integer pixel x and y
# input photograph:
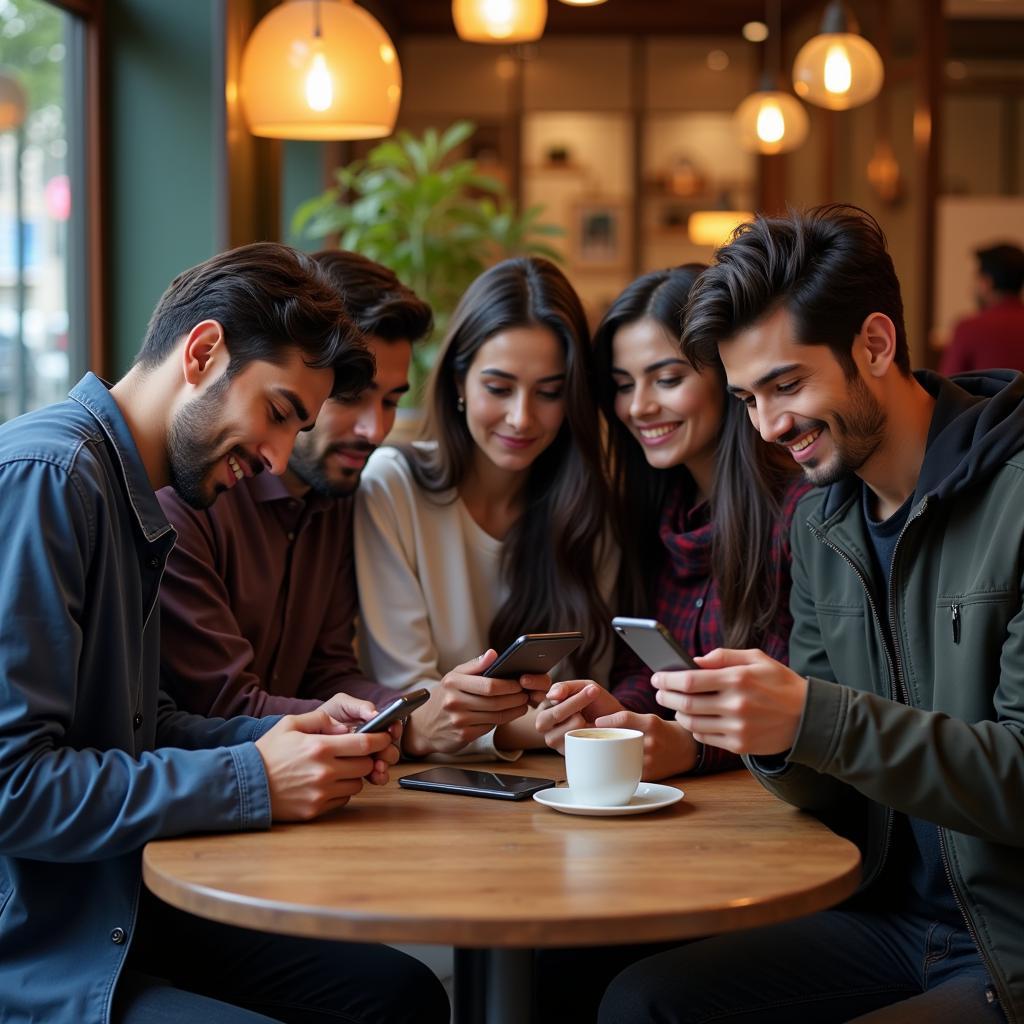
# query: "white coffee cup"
{"type": "Point", "coordinates": [604, 765]}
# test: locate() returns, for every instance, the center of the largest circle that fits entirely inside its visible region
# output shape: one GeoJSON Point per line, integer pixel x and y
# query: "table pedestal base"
{"type": "Point", "coordinates": [493, 986]}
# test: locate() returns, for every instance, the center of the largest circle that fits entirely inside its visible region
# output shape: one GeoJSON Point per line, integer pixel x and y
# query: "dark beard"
{"type": "Point", "coordinates": [856, 435]}
{"type": "Point", "coordinates": [191, 450]}
{"type": "Point", "coordinates": [310, 469]}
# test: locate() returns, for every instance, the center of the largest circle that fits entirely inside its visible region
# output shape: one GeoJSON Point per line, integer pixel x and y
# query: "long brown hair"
{"type": "Point", "coordinates": [548, 558]}
{"type": "Point", "coordinates": [745, 498]}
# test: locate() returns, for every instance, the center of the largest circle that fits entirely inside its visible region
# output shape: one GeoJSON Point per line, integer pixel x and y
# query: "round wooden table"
{"type": "Point", "coordinates": [400, 865]}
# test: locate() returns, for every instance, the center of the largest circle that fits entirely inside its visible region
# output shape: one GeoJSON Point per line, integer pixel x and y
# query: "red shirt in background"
{"type": "Point", "coordinates": [990, 340]}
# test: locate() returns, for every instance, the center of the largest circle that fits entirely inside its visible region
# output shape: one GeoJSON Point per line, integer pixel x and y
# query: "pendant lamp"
{"type": "Point", "coordinates": [500, 21]}
{"type": "Point", "coordinates": [320, 69]}
{"type": "Point", "coordinates": [772, 120]}
{"type": "Point", "coordinates": [838, 68]}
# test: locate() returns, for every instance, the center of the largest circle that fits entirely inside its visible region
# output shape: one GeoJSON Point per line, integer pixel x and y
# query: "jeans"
{"type": "Point", "coordinates": [828, 968]}
{"type": "Point", "coordinates": [182, 967]}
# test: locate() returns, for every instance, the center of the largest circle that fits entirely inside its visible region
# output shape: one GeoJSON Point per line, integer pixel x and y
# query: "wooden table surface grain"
{"type": "Point", "coordinates": [401, 865]}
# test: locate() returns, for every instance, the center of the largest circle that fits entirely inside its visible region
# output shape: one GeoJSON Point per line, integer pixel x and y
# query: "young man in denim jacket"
{"type": "Point", "coordinates": [95, 760]}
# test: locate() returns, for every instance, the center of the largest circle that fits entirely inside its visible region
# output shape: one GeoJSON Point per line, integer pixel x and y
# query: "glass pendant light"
{"type": "Point", "coordinates": [772, 120]}
{"type": "Point", "coordinates": [500, 21]}
{"type": "Point", "coordinates": [838, 68]}
{"type": "Point", "coordinates": [320, 69]}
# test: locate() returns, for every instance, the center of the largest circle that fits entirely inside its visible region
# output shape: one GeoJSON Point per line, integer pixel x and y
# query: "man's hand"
{"type": "Point", "coordinates": [352, 712]}
{"type": "Point", "coordinates": [463, 707]}
{"type": "Point", "coordinates": [668, 748]}
{"type": "Point", "coordinates": [315, 765]}
{"type": "Point", "coordinates": [742, 701]}
{"type": "Point", "coordinates": [575, 704]}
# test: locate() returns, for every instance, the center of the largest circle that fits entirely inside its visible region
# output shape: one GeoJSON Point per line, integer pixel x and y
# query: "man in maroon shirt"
{"type": "Point", "coordinates": [993, 338]}
{"type": "Point", "coordinates": [259, 597]}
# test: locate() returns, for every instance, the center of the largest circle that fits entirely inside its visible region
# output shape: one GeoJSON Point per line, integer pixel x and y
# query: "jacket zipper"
{"type": "Point", "coordinates": [961, 905]}
{"type": "Point", "coordinates": [892, 672]}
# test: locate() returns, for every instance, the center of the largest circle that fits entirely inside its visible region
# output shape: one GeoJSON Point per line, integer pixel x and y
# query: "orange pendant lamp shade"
{"type": "Point", "coordinates": [320, 69]}
{"type": "Point", "coordinates": [771, 121]}
{"type": "Point", "coordinates": [838, 68]}
{"type": "Point", "coordinates": [500, 21]}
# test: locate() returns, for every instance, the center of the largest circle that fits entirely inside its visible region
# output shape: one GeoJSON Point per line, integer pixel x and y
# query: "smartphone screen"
{"type": "Point", "coordinates": [469, 782]}
{"type": "Point", "coordinates": [653, 644]}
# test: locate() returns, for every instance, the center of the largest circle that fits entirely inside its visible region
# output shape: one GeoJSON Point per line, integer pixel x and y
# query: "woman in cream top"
{"type": "Point", "coordinates": [498, 527]}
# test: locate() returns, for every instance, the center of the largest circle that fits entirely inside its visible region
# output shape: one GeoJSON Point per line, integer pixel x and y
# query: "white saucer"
{"type": "Point", "coordinates": [649, 796]}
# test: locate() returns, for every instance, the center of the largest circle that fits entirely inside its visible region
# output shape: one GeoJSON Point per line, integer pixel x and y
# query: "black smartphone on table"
{"type": "Point", "coordinates": [469, 782]}
{"type": "Point", "coordinates": [533, 653]}
{"type": "Point", "coordinates": [653, 644]}
{"type": "Point", "coordinates": [400, 707]}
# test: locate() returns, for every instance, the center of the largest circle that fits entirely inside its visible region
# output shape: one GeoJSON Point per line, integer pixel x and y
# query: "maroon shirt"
{"type": "Point", "coordinates": [687, 603]}
{"type": "Point", "coordinates": [258, 602]}
{"type": "Point", "coordinates": [991, 340]}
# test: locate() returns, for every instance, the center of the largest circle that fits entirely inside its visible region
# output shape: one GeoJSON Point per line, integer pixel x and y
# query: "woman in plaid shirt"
{"type": "Point", "coordinates": [702, 509]}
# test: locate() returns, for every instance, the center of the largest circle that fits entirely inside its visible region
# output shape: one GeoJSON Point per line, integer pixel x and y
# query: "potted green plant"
{"type": "Point", "coordinates": [434, 219]}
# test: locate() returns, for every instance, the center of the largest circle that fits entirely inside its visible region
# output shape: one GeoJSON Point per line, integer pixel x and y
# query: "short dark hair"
{"type": "Point", "coordinates": [374, 298]}
{"type": "Point", "coordinates": [1003, 265]}
{"type": "Point", "coordinates": [269, 299]}
{"type": "Point", "coordinates": [828, 267]}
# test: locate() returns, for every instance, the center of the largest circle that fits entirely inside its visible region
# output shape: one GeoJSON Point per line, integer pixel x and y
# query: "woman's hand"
{"type": "Point", "coordinates": [668, 748]}
{"type": "Point", "coordinates": [463, 707]}
{"type": "Point", "coordinates": [574, 704]}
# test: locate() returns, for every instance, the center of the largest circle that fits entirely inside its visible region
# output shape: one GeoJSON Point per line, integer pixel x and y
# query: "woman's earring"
{"type": "Point", "coordinates": [460, 404]}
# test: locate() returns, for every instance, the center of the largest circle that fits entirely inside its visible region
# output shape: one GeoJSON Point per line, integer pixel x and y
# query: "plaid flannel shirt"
{"type": "Point", "coordinates": [688, 604]}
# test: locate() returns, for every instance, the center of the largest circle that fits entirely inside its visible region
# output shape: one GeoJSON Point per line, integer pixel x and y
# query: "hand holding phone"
{"type": "Point", "coordinates": [463, 706]}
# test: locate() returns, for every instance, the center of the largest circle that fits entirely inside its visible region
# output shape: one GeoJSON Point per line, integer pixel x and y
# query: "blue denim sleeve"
{"type": "Point", "coordinates": [71, 787]}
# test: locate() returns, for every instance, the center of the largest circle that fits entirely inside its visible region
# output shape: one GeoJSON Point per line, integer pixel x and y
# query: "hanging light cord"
{"type": "Point", "coordinates": [316, 19]}
{"type": "Point", "coordinates": [773, 62]}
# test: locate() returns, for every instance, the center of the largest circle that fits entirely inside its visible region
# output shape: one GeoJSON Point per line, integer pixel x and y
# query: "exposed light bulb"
{"type": "Point", "coordinates": [500, 14]}
{"type": "Point", "coordinates": [838, 72]}
{"type": "Point", "coordinates": [771, 125]}
{"type": "Point", "coordinates": [319, 88]}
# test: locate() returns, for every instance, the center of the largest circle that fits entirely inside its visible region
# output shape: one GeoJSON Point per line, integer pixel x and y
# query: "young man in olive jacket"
{"type": "Point", "coordinates": [901, 719]}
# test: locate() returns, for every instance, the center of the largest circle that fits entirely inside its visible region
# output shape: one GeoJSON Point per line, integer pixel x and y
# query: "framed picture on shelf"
{"type": "Point", "coordinates": [600, 234]}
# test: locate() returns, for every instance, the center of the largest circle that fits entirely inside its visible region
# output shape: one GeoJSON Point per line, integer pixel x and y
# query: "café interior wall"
{"type": "Point", "coordinates": [162, 156]}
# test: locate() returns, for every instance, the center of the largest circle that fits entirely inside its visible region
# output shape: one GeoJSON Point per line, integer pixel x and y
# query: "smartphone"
{"type": "Point", "coordinates": [653, 644]}
{"type": "Point", "coordinates": [533, 653]}
{"type": "Point", "coordinates": [400, 707]}
{"type": "Point", "coordinates": [467, 782]}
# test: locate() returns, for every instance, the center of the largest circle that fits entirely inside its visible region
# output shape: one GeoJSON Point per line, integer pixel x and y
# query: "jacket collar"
{"type": "Point", "coordinates": [94, 395]}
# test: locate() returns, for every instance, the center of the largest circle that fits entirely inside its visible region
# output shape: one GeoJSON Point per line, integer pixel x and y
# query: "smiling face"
{"type": "Point", "coordinates": [238, 427]}
{"type": "Point", "coordinates": [672, 410]}
{"type": "Point", "coordinates": [798, 396]}
{"type": "Point", "coordinates": [514, 394]}
{"type": "Point", "coordinates": [331, 457]}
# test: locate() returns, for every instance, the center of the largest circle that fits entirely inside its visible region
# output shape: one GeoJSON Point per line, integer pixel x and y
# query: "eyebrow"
{"type": "Point", "coordinates": [654, 367]}
{"type": "Point", "coordinates": [296, 403]}
{"type": "Point", "coordinates": [512, 376]}
{"type": "Point", "coordinates": [779, 371]}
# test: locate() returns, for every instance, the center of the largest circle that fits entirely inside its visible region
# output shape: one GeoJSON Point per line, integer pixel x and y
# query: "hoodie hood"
{"type": "Point", "coordinates": [978, 423]}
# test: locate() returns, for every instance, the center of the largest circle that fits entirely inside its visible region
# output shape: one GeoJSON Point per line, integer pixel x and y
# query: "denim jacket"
{"type": "Point", "coordinates": [94, 759]}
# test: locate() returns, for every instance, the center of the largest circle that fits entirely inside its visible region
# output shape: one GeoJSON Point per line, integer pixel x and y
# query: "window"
{"type": "Point", "coordinates": [43, 321]}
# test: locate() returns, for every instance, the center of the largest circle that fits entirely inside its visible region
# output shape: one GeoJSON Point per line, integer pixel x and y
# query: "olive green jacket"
{"type": "Point", "coordinates": [935, 730]}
